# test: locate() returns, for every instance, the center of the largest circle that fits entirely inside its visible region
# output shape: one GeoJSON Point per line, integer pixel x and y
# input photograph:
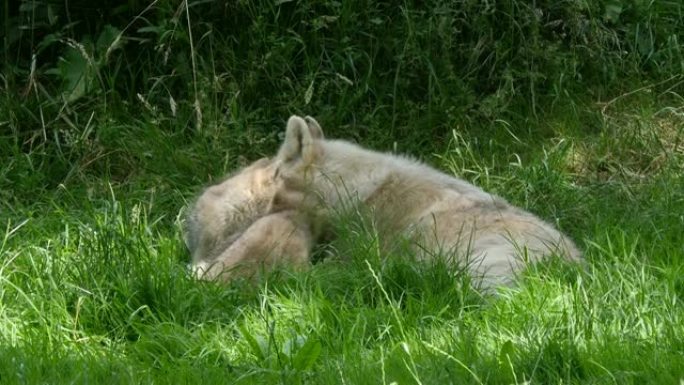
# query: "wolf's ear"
{"type": "Point", "coordinates": [314, 127]}
{"type": "Point", "coordinates": [299, 141]}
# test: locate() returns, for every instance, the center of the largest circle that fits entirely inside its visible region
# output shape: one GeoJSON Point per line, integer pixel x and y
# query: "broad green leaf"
{"type": "Point", "coordinates": [307, 355]}
{"type": "Point", "coordinates": [252, 342]}
{"type": "Point", "coordinates": [506, 352]}
{"type": "Point", "coordinates": [76, 74]}
{"type": "Point", "coordinates": [108, 41]}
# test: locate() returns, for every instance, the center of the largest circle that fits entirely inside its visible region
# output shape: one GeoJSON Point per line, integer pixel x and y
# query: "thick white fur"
{"type": "Point", "coordinates": [440, 213]}
{"type": "Point", "coordinates": [229, 230]}
{"type": "Point", "coordinates": [272, 240]}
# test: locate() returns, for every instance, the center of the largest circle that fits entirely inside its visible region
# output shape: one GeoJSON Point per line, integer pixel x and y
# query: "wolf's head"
{"type": "Point", "coordinates": [223, 212]}
{"type": "Point", "coordinates": [226, 209]}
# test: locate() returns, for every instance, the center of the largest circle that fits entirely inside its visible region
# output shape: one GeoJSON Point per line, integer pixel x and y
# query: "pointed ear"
{"type": "Point", "coordinates": [299, 141]}
{"type": "Point", "coordinates": [314, 127]}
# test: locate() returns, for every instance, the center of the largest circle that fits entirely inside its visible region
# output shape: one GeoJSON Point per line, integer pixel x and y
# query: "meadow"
{"type": "Point", "coordinates": [113, 116]}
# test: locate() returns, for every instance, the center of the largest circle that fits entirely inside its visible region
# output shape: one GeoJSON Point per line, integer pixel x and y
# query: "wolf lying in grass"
{"type": "Point", "coordinates": [311, 177]}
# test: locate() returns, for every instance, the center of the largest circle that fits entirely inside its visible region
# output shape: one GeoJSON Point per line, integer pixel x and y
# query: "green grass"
{"type": "Point", "coordinates": [580, 121]}
{"type": "Point", "coordinates": [96, 290]}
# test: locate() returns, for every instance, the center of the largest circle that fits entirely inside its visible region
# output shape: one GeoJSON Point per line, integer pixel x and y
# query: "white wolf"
{"type": "Point", "coordinates": [270, 212]}
{"type": "Point", "coordinates": [439, 213]}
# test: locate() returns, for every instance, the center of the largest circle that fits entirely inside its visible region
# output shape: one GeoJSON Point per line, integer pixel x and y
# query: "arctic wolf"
{"type": "Point", "coordinates": [230, 232]}
{"type": "Point", "coordinates": [440, 214]}
{"type": "Point", "coordinates": [271, 211]}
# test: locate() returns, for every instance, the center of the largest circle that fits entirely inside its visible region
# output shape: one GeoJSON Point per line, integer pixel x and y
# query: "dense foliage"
{"type": "Point", "coordinates": [418, 67]}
